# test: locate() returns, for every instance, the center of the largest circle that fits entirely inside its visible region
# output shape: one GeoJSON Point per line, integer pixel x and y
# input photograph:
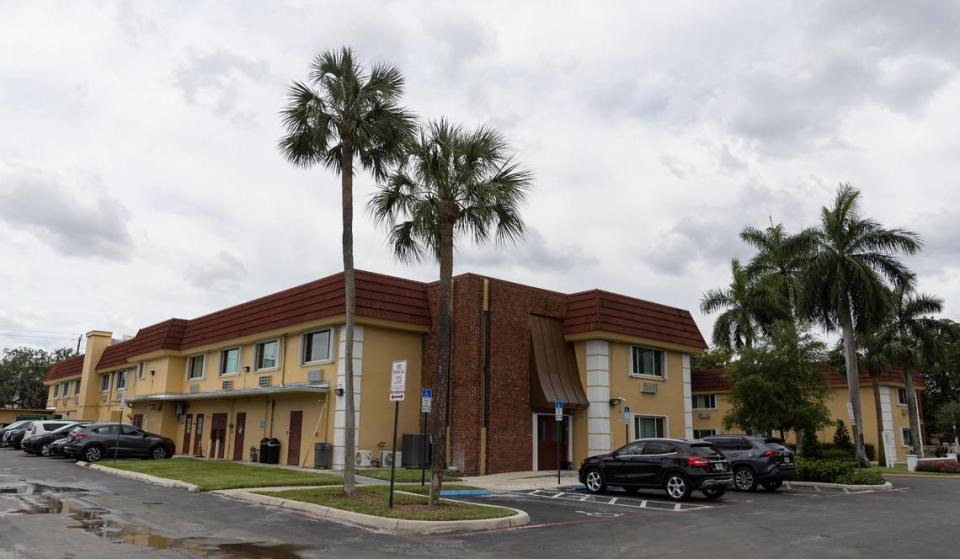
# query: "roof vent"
{"type": "Point", "coordinates": [314, 377]}
{"type": "Point", "coordinates": [264, 381]}
{"type": "Point", "coordinates": [648, 388]}
{"type": "Point", "coordinates": [194, 388]}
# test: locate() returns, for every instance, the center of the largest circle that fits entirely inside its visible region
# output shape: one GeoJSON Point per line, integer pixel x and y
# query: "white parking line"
{"type": "Point", "coordinates": [614, 501]}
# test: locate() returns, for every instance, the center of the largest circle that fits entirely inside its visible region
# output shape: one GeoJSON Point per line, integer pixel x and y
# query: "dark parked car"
{"type": "Point", "coordinates": [678, 467]}
{"type": "Point", "coordinates": [56, 447]}
{"type": "Point", "coordinates": [19, 424]}
{"type": "Point", "coordinates": [12, 437]}
{"type": "Point", "coordinates": [757, 460]}
{"type": "Point", "coordinates": [99, 440]}
{"type": "Point", "coordinates": [40, 444]}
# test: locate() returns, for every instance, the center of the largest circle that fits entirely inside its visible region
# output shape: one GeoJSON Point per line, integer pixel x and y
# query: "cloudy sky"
{"type": "Point", "coordinates": [139, 177]}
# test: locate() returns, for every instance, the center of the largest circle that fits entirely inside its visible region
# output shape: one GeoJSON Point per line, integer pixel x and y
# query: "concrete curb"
{"type": "Point", "coordinates": [885, 487]}
{"type": "Point", "coordinates": [394, 525]}
{"type": "Point", "coordinates": [162, 482]}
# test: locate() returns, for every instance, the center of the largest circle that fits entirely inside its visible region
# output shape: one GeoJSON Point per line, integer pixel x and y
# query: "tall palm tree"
{"type": "Point", "coordinates": [344, 116]}
{"type": "Point", "coordinates": [875, 358]}
{"type": "Point", "coordinates": [452, 183]}
{"type": "Point", "coordinates": [748, 306]}
{"type": "Point", "coordinates": [911, 324]}
{"type": "Point", "coordinates": [844, 280]}
{"type": "Point", "coordinates": [780, 255]}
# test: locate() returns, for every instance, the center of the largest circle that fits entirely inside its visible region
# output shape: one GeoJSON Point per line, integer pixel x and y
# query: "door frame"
{"type": "Point", "coordinates": [219, 451]}
{"type": "Point", "coordinates": [188, 434]}
{"type": "Point", "coordinates": [239, 434]}
{"type": "Point", "coordinates": [568, 426]}
{"type": "Point", "coordinates": [198, 425]}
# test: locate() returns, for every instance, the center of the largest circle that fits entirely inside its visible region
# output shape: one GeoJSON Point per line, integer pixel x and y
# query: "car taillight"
{"type": "Point", "coordinates": [697, 462]}
{"type": "Point", "coordinates": [769, 453]}
{"type": "Point", "coordinates": [79, 436]}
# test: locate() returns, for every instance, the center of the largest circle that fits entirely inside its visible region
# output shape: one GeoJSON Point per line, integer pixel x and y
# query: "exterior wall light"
{"type": "Point", "coordinates": [338, 392]}
{"type": "Point", "coordinates": [615, 401]}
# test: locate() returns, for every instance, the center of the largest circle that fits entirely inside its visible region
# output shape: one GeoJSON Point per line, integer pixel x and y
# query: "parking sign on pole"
{"type": "Point", "coordinates": [398, 381]}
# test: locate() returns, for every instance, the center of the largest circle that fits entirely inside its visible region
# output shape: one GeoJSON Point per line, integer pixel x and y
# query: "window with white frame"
{"type": "Point", "coordinates": [701, 433]}
{"type": "Point", "coordinates": [121, 381]}
{"type": "Point", "coordinates": [140, 369]}
{"type": "Point", "coordinates": [56, 390]}
{"type": "Point", "coordinates": [105, 382]}
{"type": "Point", "coordinates": [195, 367]}
{"type": "Point", "coordinates": [902, 396]}
{"type": "Point", "coordinates": [267, 355]}
{"type": "Point", "coordinates": [230, 361]}
{"type": "Point", "coordinates": [905, 437]}
{"type": "Point", "coordinates": [65, 389]}
{"type": "Point", "coordinates": [647, 426]}
{"type": "Point", "coordinates": [76, 387]}
{"type": "Point", "coordinates": [646, 362]}
{"type": "Point", "coordinates": [317, 346]}
{"type": "Point", "coordinates": [704, 401]}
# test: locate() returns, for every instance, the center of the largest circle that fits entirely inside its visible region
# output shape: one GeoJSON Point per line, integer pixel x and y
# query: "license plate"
{"type": "Point", "coordinates": [787, 459]}
{"type": "Point", "coordinates": [719, 467]}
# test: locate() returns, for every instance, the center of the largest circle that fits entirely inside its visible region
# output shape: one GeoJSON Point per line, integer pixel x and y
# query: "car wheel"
{"type": "Point", "coordinates": [677, 487]}
{"type": "Point", "coordinates": [45, 450]}
{"type": "Point", "coordinates": [772, 485]}
{"type": "Point", "coordinates": [158, 453]}
{"type": "Point", "coordinates": [744, 479]}
{"type": "Point", "coordinates": [93, 454]}
{"type": "Point", "coordinates": [594, 481]}
{"type": "Point", "coordinates": [714, 493]}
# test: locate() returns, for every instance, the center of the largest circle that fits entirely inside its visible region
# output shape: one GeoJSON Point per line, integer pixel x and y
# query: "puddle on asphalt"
{"type": "Point", "coordinates": [40, 499]}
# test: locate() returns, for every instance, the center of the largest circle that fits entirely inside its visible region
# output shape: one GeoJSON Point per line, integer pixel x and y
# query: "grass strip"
{"type": "Point", "coordinates": [214, 475]}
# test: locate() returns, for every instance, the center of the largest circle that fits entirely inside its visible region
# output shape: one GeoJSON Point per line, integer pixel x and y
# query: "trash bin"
{"type": "Point", "coordinates": [322, 455]}
{"type": "Point", "coordinates": [269, 450]}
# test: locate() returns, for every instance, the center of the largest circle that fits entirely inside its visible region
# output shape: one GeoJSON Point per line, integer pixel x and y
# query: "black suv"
{"type": "Point", "coordinates": [678, 467]}
{"type": "Point", "coordinates": [756, 460]}
{"type": "Point", "coordinates": [98, 440]}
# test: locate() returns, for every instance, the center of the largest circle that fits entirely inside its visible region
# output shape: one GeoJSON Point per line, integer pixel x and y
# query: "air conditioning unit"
{"type": "Point", "coordinates": [194, 388]}
{"type": "Point", "coordinates": [703, 415]}
{"type": "Point", "coordinates": [314, 377]}
{"type": "Point", "coordinates": [388, 458]}
{"type": "Point", "coordinates": [226, 385]}
{"type": "Point", "coordinates": [264, 381]}
{"type": "Point", "coordinates": [648, 388]}
{"type": "Point", "coordinates": [363, 458]}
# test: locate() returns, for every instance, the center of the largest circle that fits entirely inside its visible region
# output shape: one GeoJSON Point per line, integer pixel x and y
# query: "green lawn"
{"type": "Point", "coordinates": [425, 490]}
{"type": "Point", "coordinates": [901, 469]}
{"type": "Point", "coordinates": [213, 475]}
{"type": "Point", "coordinates": [404, 475]}
{"type": "Point", "coordinates": [372, 500]}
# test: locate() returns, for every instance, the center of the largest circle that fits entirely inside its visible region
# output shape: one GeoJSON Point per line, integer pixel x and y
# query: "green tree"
{"type": "Point", "coordinates": [344, 117]}
{"type": "Point", "coordinates": [948, 420]}
{"type": "Point", "coordinates": [21, 375]}
{"type": "Point", "coordinates": [780, 257]}
{"type": "Point", "coordinates": [776, 385]}
{"type": "Point", "coordinates": [844, 280]}
{"type": "Point", "coordinates": [746, 308]}
{"type": "Point", "coordinates": [841, 436]}
{"type": "Point", "coordinates": [713, 358]}
{"type": "Point", "coordinates": [452, 183]}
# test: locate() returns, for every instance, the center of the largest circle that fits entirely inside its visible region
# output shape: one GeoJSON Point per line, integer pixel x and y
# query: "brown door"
{"type": "Point", "coordinates": [187, 432]}
{"type": "Point", "coordinates": [218, 433]}
{"type": "Point", "coordinates": [138, 420]}
{"type": "Point", "coordinates": [198, 437]}
{"type": "Point", "coordinates": [293, 443]}
{"type": "Point", "coordinates": [239, 428]}
{"type": "Point", "coordinates": [549, 435]}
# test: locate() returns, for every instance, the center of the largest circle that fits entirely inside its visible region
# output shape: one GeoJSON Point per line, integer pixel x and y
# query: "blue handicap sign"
{"type": "Point", "coordinates": [559, 404]}
{"type": "Point", "coordinates": [626, 409]}
{"type": "Point", "coordinates": [426, 393]}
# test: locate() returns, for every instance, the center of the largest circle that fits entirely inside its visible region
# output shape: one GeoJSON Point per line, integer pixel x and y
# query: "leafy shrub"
{"type": "Point", "coordinates": [834, 453]}
{"type": "Point", "coordinates": [941, 466]}
{"type": "Point", "coordinates": [812, 448]}
{"type": "Point", "coordinates": [870, 450]}
{"type": "Point", "coordinates": [861, 477]}
{"type": "Point", "coordinates": [841, 436]}
{"type": "Point", "coordinates": [824, 471]}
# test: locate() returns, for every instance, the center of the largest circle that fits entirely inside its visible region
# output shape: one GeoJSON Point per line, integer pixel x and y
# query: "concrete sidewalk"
{"type": "Point", "coordinates": [518, 481]}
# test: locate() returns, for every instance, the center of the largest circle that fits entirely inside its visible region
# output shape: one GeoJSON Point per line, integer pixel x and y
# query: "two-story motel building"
{"type": "Point", "coordinates": [273, 367]}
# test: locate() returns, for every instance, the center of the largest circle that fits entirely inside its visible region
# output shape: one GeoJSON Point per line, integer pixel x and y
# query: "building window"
{"type": "Point", "coordinates": [701, 433]}
{"type": "Point", "coordinates": [902, 396]}
{"type": "Point", "coordinates": [121, 381]}
{"type": "Point", "coordinates": [317, 346]}
{"type": "Point", "coordinates": [56, 390]}
{"type": "Point", "coordinates": [704, 401]}
{"type": "Point", "coordinates": [905, 437]}
{"type": "Point", "coordinates": [105, 383]}
{"type": "Point", "coordinates": [76, 387]}
{"type": "Point", "coordinates": [65, 389]}
{"type": "Point", "coordinates": [140, 369]}
{"type": "Point", "coordinates": [646, 362]}
{"type": "Point", "coordinates": [230, 361]}
{"type": "Point", "coordinates": [646, 426]}
{"type": "Point", "coordinates": [195, 367]}
{"type": "Point", "coordinates": [267, 355]}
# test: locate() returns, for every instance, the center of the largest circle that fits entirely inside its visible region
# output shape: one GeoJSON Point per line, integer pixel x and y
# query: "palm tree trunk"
{"type": "Point", "coordinates": [350, 288]}
{"type": "Point", "coordinates": [443, 365]}
{"type": "Point", "coordinates": [881, 449]}
{"type": "Point", "coordinates": [915, 441]}
{"type": "Point", "coordinates": [853, 382]}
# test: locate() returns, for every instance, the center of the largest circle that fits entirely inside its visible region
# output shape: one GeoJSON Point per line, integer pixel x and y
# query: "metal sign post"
{"type": "Point", "coordinates": [558, 417]}
{"type": "Point", "coordinates": [116, 445]}
{"type": "Point", "coordinates": [426, 404]}
{"type": "Point", "coordinates": [626, 424]}
{"type": "Point", "coordinates": [398, 385]}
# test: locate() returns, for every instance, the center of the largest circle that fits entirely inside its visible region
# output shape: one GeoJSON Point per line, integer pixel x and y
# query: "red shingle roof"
{"type": "Point", "coordinates": [609, 312]}
{"type": "Point", "coordinates": [715, 380]}
{"type": "Point", "coordinates": [66, 368]}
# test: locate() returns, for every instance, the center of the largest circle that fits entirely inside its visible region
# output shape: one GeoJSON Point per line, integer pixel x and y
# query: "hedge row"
{"type": "Point", "coordinates": [940, 466]}
{"type": "Point", "coordinates": [836, 471]}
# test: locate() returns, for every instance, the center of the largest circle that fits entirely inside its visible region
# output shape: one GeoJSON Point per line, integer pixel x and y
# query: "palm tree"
{"type": "Point", "coordinates": [844, 280]}
{"type": "Point", "coordinates": [911, 325]}
{"type": "Point", "coordinates": [452, 183]}
{"type": "Point", "coordinates": [875, 358]}
{"type": "Point", "coordinates": [341, 117]}
{"type": "Point", "coordinates": [780, 255]}
{"type": "Point", "coordinates": [748, 305]}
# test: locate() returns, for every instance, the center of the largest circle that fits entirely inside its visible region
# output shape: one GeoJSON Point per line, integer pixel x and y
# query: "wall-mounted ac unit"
{"type": "Point", "coordinates": [363, 458]}
{"type": "Point", "coordinates": [264, 381]}
{"type": "Point", "coordinates": [314, 377]}
{"type": "Point", "coordinates": [903, 411]}
{"type": "Point", "coordinates": [648, 388]}
{"type": "Point", "coordinates": [226, 385]}
{"type": "Point", "coordinates": [703, 415]}
{"type": "Point", "coordinates": [194, 388]}
{"type": "Point", "coordinates": [388, 458]}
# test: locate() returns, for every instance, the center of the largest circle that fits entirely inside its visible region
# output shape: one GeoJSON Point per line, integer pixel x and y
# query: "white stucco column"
{"type": "Point", "coordinates": [339, 417]}
{"type": "Point", "coordinates": [598, 394]}
{"type": "Point", "coordinates": [687, 398]}
{"type": "Point", "coordinates": [886, 412]}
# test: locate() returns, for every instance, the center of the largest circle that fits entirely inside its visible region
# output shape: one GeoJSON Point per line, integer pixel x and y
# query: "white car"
{"type": "Point", "coordinates": [45, 426]}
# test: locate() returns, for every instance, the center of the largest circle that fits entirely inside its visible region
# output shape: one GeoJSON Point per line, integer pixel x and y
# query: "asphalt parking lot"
{"type": "Point", "coordinates": [74, 512]}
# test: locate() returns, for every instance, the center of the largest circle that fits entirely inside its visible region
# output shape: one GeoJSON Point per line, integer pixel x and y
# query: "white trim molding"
{"type": "Point", "coordinates": [598, 395]}
{"type": "Point", "coordinates": [687, 398]}
{"type": "Point", "coordinates": [886, 413]}
{"type": "Point", "coordinates": [340, 413]}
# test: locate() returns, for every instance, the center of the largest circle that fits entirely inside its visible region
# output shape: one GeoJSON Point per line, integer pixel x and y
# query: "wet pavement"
{"type": "Point", "coordinates": [52, 508]}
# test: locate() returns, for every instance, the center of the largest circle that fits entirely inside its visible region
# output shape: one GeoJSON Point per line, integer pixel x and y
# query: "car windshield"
{"type": "Point", "coordinates": [67, 428]}
{"type": "Point", "coordinates": [702, 449]}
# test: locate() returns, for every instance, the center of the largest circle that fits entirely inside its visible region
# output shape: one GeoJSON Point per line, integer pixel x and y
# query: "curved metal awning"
{"type": "Point", "coordinates": [553, 366]}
